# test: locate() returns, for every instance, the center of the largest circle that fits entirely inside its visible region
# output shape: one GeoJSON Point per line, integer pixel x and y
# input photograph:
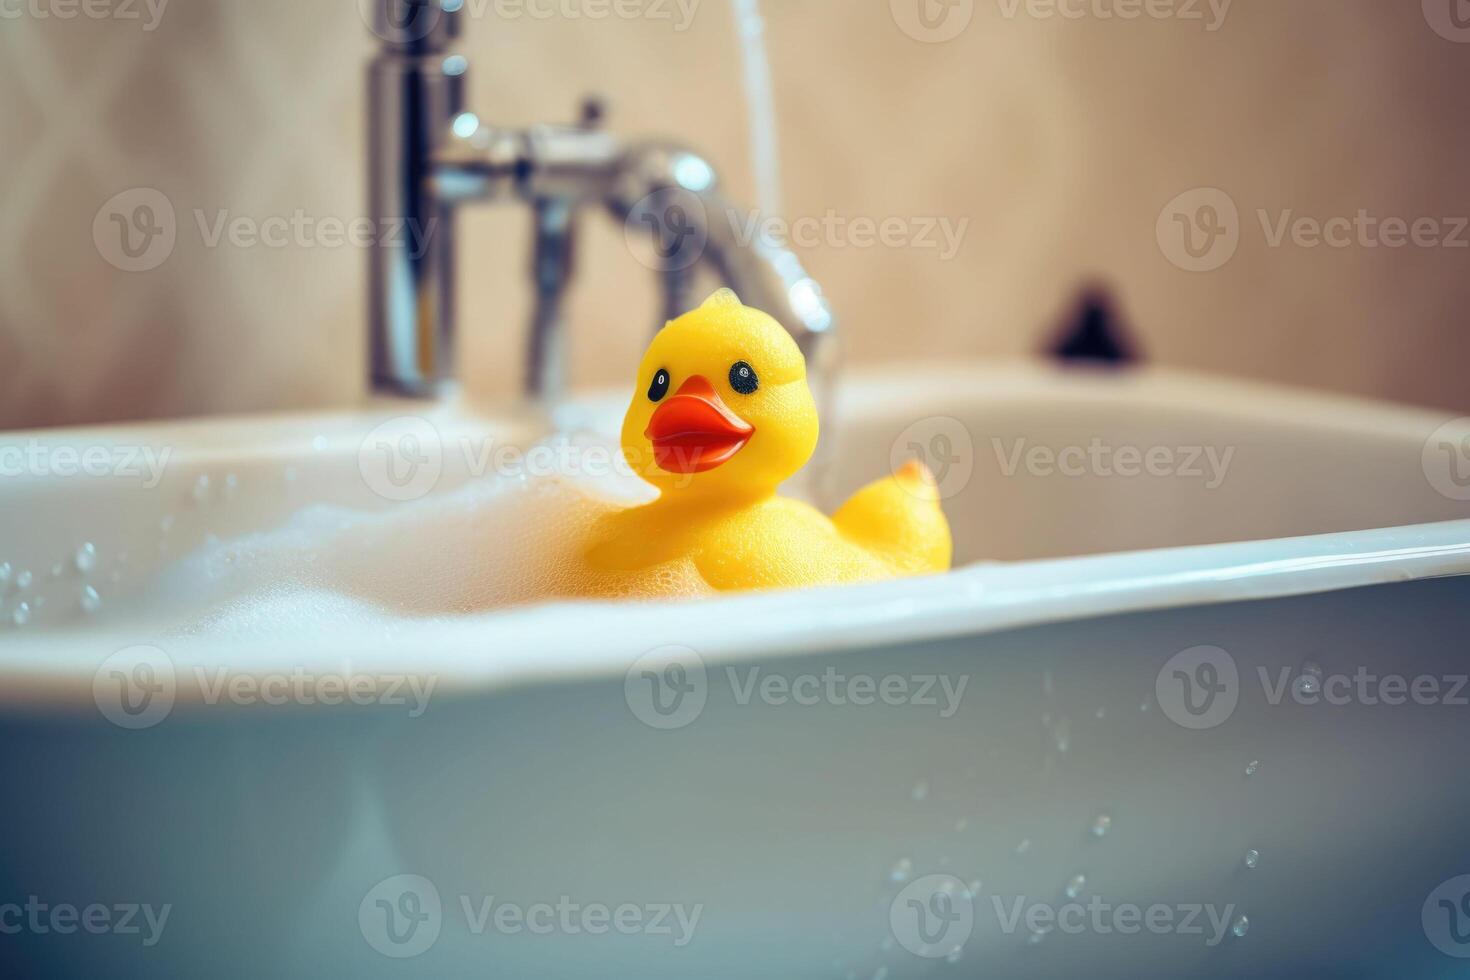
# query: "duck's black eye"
{"type": "Point", "coordinates": [660, 386]}
{"type": "Point", "coordinates": [743, 379]}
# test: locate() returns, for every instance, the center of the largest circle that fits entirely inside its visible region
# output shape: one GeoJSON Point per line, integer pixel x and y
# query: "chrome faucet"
{"type": "Point", "coordinates": [428, 155]}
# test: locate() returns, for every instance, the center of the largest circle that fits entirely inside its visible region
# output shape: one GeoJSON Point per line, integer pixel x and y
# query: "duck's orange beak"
{"type": "Point", "coordinates": [694, 431]}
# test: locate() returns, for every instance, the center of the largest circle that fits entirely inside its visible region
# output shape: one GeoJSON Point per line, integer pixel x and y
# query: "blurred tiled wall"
{"type": "Point", "coordinates": [1059, 130]}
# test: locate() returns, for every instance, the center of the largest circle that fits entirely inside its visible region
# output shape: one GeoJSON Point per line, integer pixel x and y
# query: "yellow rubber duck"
{"type": "Point", "coordinates": [721, 416]}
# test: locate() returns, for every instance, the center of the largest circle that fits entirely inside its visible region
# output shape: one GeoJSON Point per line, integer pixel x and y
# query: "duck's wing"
{"type": "Point", "coordinates": [900, 521]}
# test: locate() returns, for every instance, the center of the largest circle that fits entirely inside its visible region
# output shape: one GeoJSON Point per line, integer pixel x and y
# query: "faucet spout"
{"type": "Point", "coordinates": [428, 157]}
{"type": "Point", "coordinates": [675, 194]}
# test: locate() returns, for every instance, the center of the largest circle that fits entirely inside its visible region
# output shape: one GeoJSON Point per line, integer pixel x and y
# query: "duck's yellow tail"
{"type": "Point", "coordinates": [899, 519]}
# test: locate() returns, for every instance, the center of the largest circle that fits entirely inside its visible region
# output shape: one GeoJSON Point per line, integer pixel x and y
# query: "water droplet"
{"type": "Point", "coordinates": [319, 444]}
{"type": "Point", "coordinates": [166, 524]}
{"type": "Point", "coordinates": [886, 946]}
{"type": "Point", "coordinates": [232, 483]}
{"type": "Point", "coordinates": [1075, 884]}
{"type": "Point", "coordinates": [1038, 936]}
{"type": "Point", "coordinates": [200, 493]}
{"type": "Point", "coordinates": [1252, 767]}
{"type": "Point", "coordinates": [1310, 681]}
{"type": "Point", "coordinates": [290, 474]}
{"type": "Point", "coordinates": [91, 601]}
{"type": "Point", "coordinates": [1062, 734]}
{"type": "Point", "coordinates": [1101, 824]}
{"type": "Point", "coordinates": [901, 870]}
{"type": "Point", "coordinates": [953, 956]}
{"type": "Point", "coordinates": [1241, 927]}
{"type": "Point", "coordinates": [1024, 847]}
{"type": "Point", "coordinates": [961, 825]}
{"type": "Point", "coordinates": [23, 579]}
{"type": "Point", "coordinates": [86, 558]}
{"type": "Point", "coordinates": [1252, 858]}
{"type": "Point", "coordinates": [972, 888]}
{"type": "Point", "coordinates": [6, 573]}
{"type": "Point", "coordinates": [921, 791]}
{"type": "Point", "coordinates": [881, 974]}
{"type": "Point", "coordinates": [57, 570]}
{"type": "Point", "coordinates": [1143, 707]}
{"type": "Point", "coordinates": [1102, 713]}
{"type": "Point", "coordinates": [21, 614]}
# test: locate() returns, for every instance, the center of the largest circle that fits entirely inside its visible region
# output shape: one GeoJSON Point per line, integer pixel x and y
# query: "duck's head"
{"type": "Point", "coordinates": [721, 407]}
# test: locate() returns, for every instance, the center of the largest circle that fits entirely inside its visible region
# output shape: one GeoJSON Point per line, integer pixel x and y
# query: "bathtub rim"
{"type": "Point", "coordinates": [56, 668]}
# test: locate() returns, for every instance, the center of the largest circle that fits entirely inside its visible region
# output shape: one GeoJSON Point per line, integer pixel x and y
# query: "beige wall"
{"type": "Point", "coordinates": [1060, 140]}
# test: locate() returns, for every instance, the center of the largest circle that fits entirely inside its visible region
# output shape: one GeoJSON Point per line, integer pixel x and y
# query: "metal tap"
{"type": "Point", "coordinates": [428, 156]}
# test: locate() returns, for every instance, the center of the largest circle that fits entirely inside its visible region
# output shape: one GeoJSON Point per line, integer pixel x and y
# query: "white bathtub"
{"type": "Point", "coordinates": [1336, 532]}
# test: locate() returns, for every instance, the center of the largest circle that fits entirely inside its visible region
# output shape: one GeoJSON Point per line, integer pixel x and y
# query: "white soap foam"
{"type": "Point", "coordinates": [497, 542]}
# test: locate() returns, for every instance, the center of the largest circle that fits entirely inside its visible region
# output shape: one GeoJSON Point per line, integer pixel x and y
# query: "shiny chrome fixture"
{"type": "Point", "coordinates": [428, 155]}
